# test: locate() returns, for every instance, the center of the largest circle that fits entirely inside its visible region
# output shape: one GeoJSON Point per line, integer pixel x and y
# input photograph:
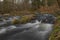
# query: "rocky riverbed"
{"type": "Point", "coordinates": [40, 29]}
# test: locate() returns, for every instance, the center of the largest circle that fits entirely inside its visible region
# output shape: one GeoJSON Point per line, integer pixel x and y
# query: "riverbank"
{"type": "Point", "coordinates": [55, 35]}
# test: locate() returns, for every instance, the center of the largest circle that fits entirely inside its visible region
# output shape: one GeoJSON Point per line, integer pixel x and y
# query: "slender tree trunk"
{"type": "Point", "coordinates": [46, 3]}
{"type": "Point", "coordinates": [58, 1]}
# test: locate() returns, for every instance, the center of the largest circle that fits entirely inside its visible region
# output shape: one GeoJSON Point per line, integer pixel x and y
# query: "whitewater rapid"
{"type": "Point", "coordinates": [41, 30]}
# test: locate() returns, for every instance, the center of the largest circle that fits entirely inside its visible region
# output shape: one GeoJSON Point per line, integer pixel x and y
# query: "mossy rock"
{"type": "Point", "coordinates": [26, 18]}
{"type": "Point", "coordinates": [15, 21]}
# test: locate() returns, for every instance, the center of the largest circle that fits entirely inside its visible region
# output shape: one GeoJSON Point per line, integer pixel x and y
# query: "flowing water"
{"type": "Point", "coordinates": [37, 31]}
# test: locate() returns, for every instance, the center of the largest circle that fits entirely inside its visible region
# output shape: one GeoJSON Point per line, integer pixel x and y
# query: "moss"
{"type": "Point", "coordinates": [15, 21]}
{"type": "Point", "coordinates": [26, 18]}
{"type": "Point", "coordinates": [55, 35]}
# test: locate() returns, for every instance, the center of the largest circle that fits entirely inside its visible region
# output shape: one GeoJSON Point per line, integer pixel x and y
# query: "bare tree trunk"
{"type": "Point", "coordinates": [46, 3]}
{"type": "Point", "coordinates": [58, 1]}
{"type": "Point", "coordinates": [25, 4]}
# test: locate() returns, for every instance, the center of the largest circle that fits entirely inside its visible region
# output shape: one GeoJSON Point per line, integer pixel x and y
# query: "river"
{"type": "Point", "coordinates": [39, 29]}
{"type": "Point", "coordinates": [32, 31]}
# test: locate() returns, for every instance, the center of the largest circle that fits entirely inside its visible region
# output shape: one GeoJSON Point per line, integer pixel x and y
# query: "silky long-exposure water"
{"type": "Point", "coordinates": [36, 31]}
